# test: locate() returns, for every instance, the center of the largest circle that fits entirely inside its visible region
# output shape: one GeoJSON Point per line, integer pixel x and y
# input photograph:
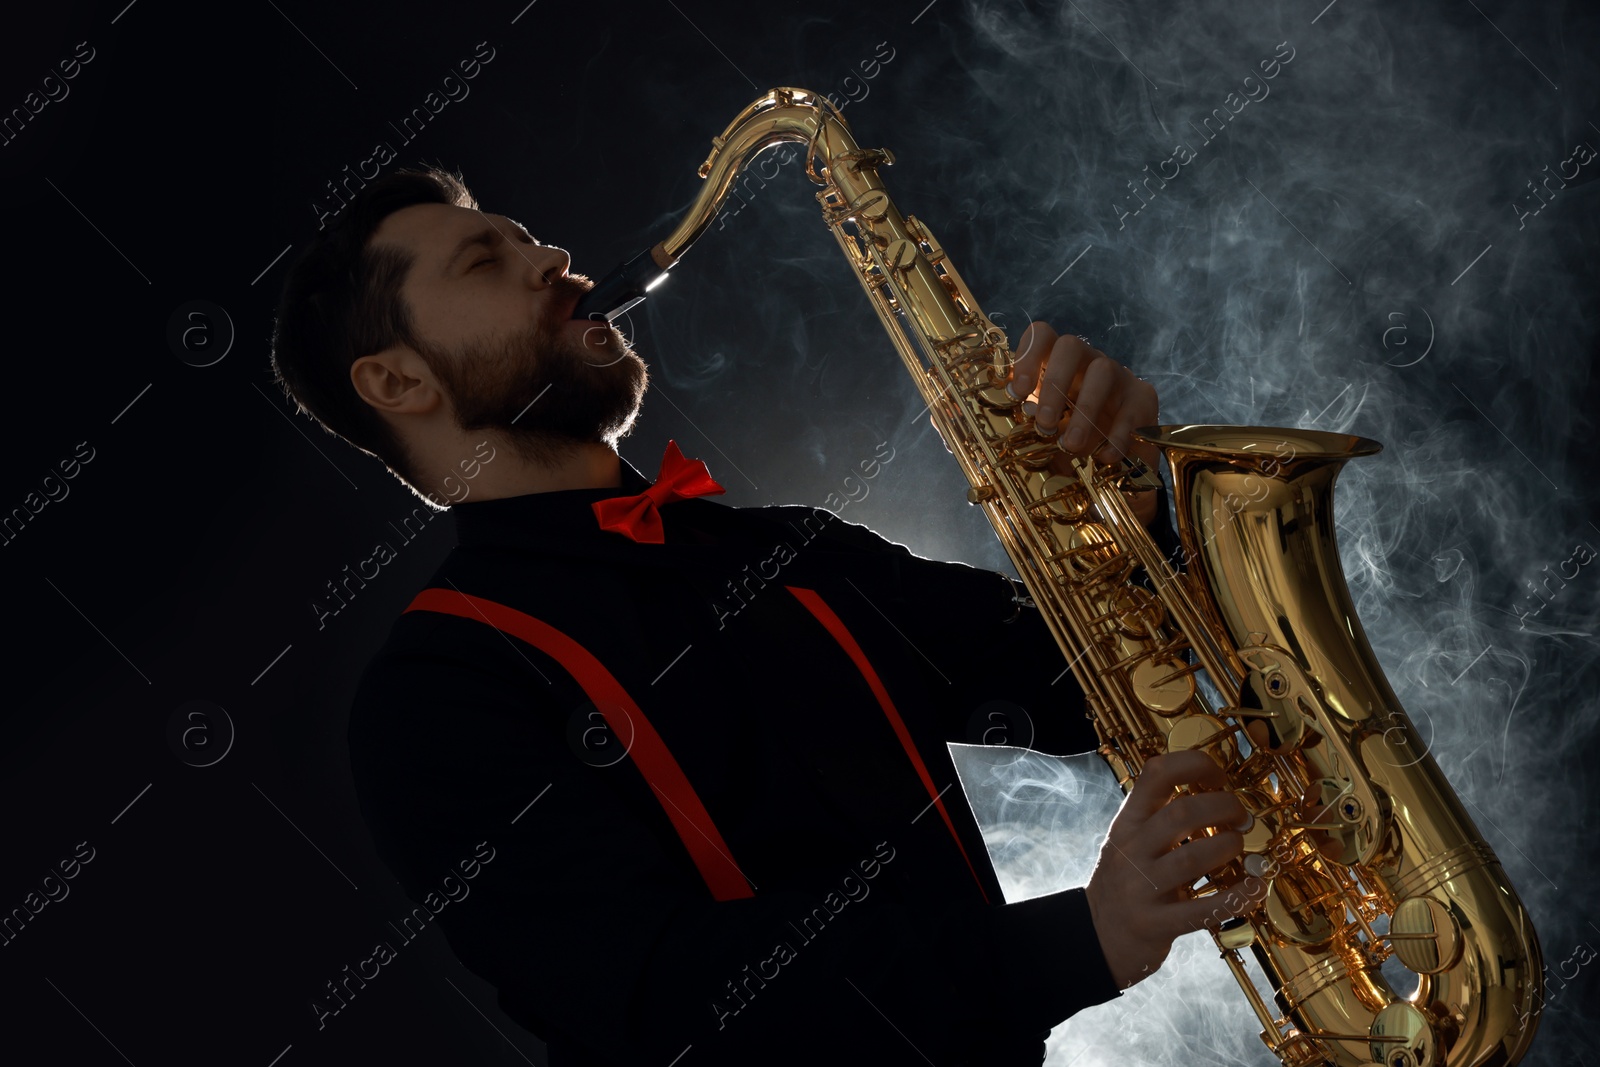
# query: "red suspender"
{"type": "Point", "coordinates": [836, 627]}
{"type": "Point", "coordinates": [649, 753]}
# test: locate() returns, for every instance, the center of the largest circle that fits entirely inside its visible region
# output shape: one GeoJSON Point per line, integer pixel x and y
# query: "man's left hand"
{"type": "Point", "coordinates": [1060, 373]}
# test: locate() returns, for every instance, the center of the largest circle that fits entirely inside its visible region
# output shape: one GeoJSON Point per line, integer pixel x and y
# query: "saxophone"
{"type": "Point", "coordinates": [1360, 848]}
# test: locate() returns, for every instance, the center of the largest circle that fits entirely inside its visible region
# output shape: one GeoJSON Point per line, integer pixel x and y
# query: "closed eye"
{"type": "Point", "coordinates": [481, 262]}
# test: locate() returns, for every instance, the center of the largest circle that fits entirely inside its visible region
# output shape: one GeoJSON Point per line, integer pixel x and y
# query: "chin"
{"type": "Point", "coordinates": [623, 429]}
{"type": "Point", "coordinates": [610, 349]}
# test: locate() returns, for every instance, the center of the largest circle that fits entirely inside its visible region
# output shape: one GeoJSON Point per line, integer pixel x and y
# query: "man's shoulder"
{"type": "Point", "coordinates": [444, 700]}
{"type": "Point", "coordinates": [820, 525]}
{"type": "Point", "coordinates": [446, 633]}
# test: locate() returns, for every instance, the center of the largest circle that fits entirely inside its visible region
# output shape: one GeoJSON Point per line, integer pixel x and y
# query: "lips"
{"type": "Point", "coordinates": [580, 293]}
{"type": "Point", "coordinates": [565, 313]}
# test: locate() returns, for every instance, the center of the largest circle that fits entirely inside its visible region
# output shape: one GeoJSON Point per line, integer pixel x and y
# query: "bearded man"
{"type": "Point", "coordinates": [695, 835]}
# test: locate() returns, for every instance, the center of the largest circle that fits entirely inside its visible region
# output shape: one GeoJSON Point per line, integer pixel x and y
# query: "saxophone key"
{"type": "Point", "coordinates": [1401, 1036]}
{"type": "Point", "coordinates": [1138, 613]}
{"type": "Point", "coordinates": [1275, 725]}
{"type": "Point", "coordinates": [1258, 831]}
{"type": "Point", "coordinates": [1194, 732]}
{"type": "Point", "coordinates": [1059, 499]}
{"type": "Point", "coordinates": [1024, 445]}
{"type": "Point", "coordinates": [1295, 908]}
{"type": "Point", "coordinates": [901, 256]}
{"type": "Point", "coordinates": [994, 397]}
{"type": "Point", "coordinates": [872, 205]}
{"type": "Point", "coordinates": [1340, 824]}
{"type": "Point", "coordinates": [1425, 935]}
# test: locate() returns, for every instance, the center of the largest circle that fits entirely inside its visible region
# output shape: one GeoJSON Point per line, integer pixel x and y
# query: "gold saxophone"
{"type": "Point", "coordinates": [1362, 849]}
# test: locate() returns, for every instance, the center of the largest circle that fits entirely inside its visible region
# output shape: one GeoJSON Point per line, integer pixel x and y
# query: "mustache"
{"type": "Point", "coordinates": [565, 293]}
{"type": "Point", "coordinates": [566, 290]}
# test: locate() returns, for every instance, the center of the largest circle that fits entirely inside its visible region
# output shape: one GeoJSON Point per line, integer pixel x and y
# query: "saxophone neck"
{"type": "Point", "coordinates": [780, 116]}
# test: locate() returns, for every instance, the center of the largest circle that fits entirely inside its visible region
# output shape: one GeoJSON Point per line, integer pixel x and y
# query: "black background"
{"type": "Point", "coordinates": [1290, 276]}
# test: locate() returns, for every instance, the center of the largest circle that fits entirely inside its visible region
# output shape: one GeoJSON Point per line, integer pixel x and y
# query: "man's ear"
{"type": "Point", "coordinates": [396, 381]}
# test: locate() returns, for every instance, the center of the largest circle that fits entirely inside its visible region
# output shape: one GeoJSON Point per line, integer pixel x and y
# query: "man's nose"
{"type": "Point", "coordinates": [551, 262]}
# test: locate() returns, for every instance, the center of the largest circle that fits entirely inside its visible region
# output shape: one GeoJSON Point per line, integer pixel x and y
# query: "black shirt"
{"type": "Point", "coordinates": [873, 930]}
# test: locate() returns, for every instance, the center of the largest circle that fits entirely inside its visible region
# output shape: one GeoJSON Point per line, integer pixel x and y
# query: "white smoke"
{"type": "Point", "coordinates": [1302, 276]}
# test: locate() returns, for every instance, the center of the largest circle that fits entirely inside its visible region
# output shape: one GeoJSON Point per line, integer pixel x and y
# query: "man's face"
{"type": "Point", "coordinates": [491, 310]}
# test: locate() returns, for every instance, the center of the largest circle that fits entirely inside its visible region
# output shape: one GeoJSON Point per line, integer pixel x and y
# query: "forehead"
{"type": "Point", "coordinates": [430, 231]}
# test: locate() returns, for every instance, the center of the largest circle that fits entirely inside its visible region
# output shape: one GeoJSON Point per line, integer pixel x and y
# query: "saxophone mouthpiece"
{"type": "Point", "coordinates": [625, 286]}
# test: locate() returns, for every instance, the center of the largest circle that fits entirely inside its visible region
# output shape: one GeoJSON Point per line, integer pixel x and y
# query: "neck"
{"type": "Point", "coordinates": [503, 471]}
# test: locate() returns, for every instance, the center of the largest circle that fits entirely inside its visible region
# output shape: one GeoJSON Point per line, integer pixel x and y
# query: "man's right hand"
{"type": "Point", "coordinates": [1154, 849]}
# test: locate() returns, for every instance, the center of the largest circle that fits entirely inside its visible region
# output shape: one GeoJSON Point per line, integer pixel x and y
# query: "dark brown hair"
{"type": "Point", "coordinates": [341, 301]}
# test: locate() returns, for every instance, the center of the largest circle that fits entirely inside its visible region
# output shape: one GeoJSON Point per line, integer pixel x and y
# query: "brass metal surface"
{"type": "Point", "coordinates": [1362, 848]}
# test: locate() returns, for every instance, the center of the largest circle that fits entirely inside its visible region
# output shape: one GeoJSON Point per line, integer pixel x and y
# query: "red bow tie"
{"type": "Point", "coordinates": [637, 517]}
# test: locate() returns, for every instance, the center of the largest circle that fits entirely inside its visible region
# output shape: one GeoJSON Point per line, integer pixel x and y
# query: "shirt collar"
{"type": "Point", "coordinates": [564, 515]}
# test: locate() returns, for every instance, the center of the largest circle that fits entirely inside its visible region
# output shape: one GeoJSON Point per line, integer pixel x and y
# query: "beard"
{"type": "Point", "coordinates": [543, 390]}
